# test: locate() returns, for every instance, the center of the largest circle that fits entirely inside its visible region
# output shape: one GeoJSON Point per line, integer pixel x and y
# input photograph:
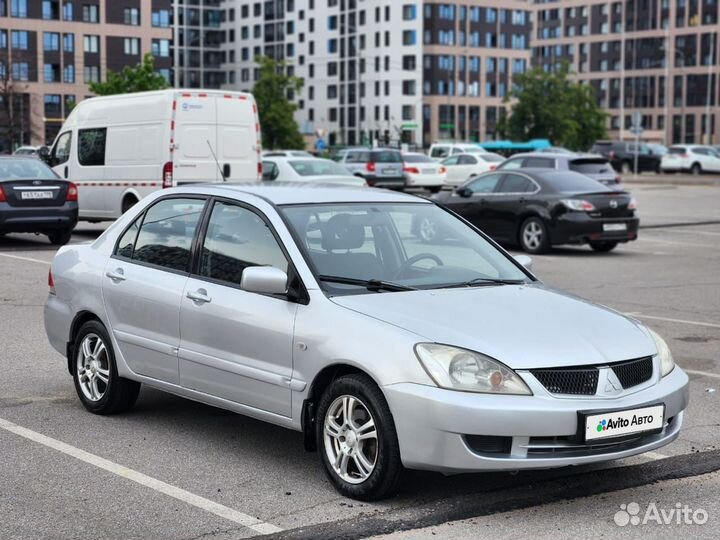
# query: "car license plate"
{"type": "Point", "coordinates": [36, 195]}
{"type": "Point", "coordinates": [389, 170]}
{"type": "Point", "coordinates": [429, 171]}
{"type": "Point", "coordinates": [619, 423]}
{"type": "Point", "coordinates": [614, 227]}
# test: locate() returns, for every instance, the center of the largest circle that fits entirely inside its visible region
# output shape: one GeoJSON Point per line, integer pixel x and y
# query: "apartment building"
{"type": "Point", "coordinates": [397, 71]}
{"type": "Point", "coordinates": [51, 49]}
{"type": "Point", "coordinates": [199, 57]}
{"type": "Point", "coordinates": [657, 57]}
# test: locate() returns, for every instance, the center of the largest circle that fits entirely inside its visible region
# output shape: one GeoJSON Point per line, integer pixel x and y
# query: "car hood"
{"type": "Point", "coordinates": [523, 326]}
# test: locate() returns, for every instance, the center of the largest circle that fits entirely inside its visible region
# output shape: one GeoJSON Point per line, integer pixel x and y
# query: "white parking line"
{"type": "Point", "coordinates": [667, 319]}
{"type": "Point", "coordinates": [30, 259]}
{"type": "Point", "coordinates": [702, 373]}
{"type": "Point", "coordinates": [245, 520]}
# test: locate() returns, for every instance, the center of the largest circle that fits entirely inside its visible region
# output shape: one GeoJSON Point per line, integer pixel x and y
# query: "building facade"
{"type": "Point", "coordinates": [51, 49]}
{"type": "Point", "coordinates": [396, 71]}
{"type": "Point", "coordinates": [655, 58]}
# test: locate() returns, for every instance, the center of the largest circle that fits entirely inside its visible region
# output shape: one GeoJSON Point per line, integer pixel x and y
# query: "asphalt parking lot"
{"type": "Point", "coordinates": [179, 470]}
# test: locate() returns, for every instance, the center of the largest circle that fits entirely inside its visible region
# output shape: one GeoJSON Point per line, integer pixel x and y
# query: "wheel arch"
{"type": "Point", "coordinates": [80, 319]}
{"type": "Point", "coordinates": [127, 195]}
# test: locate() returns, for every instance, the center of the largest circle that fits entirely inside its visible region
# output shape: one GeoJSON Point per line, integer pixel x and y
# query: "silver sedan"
{"type": "Point", "coordinates": [317, 309]}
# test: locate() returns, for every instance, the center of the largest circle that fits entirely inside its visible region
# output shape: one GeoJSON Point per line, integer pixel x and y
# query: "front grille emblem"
{"type": "Point", "coordinates": [613, 204]}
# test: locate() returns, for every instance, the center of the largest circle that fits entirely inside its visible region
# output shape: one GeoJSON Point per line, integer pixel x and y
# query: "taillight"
{"type": "Point", "coordinates": [260, 171]}
{"type": "Point", "coordinates": [412, 170]}
{"type": "Point", "coordinates": [2, 195]}
{"type": "Point", "coordinates": [578, 205]}
{"type": "Point", "coordinates": [72, 193]}
{"type": "Point", "coordinates": [442, 170]}
{"type": "Point", "coordinates": [617, 179]}
{"type": "Point", "coordinates": [370, 166]}
{"type": "Point", "coordinates": [492, 168]}
{"type": "Point", "coordinates": [632, 205]}
{"type": "Point", "coordinates": [167, 175]}
{"type": "Point", "coordinates": [51, 282]}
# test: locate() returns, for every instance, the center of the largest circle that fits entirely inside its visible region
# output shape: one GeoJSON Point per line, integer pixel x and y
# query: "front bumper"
{"type": "Point", "coordinates": [39, 218]}
{"type": "Point", "coordinates": [581, 228]}
{"type": "Point", "coordinates": [433, 425]}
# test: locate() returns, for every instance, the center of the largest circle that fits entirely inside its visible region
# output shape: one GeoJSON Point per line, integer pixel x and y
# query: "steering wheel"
{"type": "Point", "coordinates": [415, 258]}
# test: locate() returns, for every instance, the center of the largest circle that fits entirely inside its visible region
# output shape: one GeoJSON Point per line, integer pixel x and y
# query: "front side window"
{"type": "Point", "coordinates": [61, 150]}
{"type": "Point", "coordinates": [91, 146]}
{"type": "Point", "coordinates": [467, 159]}
{"type": "Point", "coordinates": [166, 235]}
{"type": "Point", "coordinates": [237, 238]}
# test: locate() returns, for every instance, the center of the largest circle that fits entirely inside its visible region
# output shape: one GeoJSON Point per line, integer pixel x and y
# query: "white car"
{"type": "Point", "coordinates": [462, 167]}
{"type": "Point", "coordinates": [286, 153]}
{"type": "Point", "coordinates": [26, 151]}
{"type": "Point", "coordinates": [692, 158]}
{"type": "Point", "coordinates": [440, 151]}
{"type": "Point", "coordinates": [422, 171]}
{"type": "Point", "coordinates": [292, 169]}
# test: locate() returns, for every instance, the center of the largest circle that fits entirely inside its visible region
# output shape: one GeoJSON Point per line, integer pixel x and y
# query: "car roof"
{"type": "Point", "coordinates": [282, 193]}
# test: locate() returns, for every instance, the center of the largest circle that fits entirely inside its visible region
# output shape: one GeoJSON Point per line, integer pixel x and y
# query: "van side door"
{"type": "Point", "coordinates": [195, 138]}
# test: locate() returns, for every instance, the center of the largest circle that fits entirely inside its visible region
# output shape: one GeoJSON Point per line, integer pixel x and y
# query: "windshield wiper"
{"type": "Point", "coordinates": [369, 284]}
{"type": "Point", "coordinates": [479, 282]}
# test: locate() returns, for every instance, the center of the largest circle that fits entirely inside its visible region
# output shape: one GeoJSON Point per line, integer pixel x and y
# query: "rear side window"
{"type": "Point", "coordinates": [514, 183]}
{"type": "Point", "coordinates": [237, 238]}
{"type": "Point", "coordinates": [590, 166]}
{"type": "Point", "coordinates": [386, 157]}
{"type": "Point", "coordinates": [540, 162]}
{"type": "Point", "coordinates": [126, 244]}
{"type": "Point", "coordinates": [167, 232]}
{"type": "Point", "coordinates": [91, 146]}
{"type": "Point", "coordinates": [676, 150]}
{"type": "Point", "coordinates": [467, 159]}
{"type": "Point", "coordinates": [512, 164]}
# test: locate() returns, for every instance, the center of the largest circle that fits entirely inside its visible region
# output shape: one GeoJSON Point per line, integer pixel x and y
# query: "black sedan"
{"type": "Point", "coordinates": [33, 199]}
{"type": "Point", "coordinates": [538, 208]}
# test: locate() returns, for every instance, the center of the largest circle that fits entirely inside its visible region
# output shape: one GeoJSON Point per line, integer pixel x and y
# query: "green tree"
{"type": "Point", "coordinates": [139, 78]}
{"type": "Point", "coordinates": [551, 106]}
{"type": "Point", "coordinates": [271, 91]}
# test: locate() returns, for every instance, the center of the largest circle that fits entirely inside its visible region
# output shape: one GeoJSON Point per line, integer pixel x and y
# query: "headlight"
{"type": "Point", "coordinates": [460, 369]}
{"type": "Point", "coordinates": [666, 360]}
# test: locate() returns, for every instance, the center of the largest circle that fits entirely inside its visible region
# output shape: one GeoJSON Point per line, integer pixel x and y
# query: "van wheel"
{"type": "Point", "coordinates": [356, 439]}
{"type": "Point", "coordinates": [128, 203]}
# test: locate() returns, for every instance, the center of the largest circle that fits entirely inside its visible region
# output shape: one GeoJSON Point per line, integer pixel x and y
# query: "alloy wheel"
{"type": "Point", "coordinates": [350, 439]}
{"type": "Point", "coordinates": [533, 235]}
{"type": "Point", "coordinates": [93, 367]}
{"type": "Point", "coordinates": [428, 230]}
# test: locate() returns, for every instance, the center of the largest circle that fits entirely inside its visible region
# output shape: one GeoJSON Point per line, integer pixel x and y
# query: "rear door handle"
{"type": "Point", "coordinates": [116, 275]}
{"type": "Point", "coordinates": [199, 297]}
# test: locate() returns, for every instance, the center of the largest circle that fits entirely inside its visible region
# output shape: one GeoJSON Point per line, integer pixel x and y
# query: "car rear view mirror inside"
{"type": "Point", "coordinates": [264, 280]}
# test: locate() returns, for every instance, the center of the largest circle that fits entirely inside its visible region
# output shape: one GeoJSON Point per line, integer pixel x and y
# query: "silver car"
{"type": "Point", "coordinates": [316, 309]}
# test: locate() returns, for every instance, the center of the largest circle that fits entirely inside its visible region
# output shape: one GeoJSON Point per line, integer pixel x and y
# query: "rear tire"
{"type": "Point", "coordinates": [361, 462]}
{"type": "Point", "coordinates": [695, 170]}
{"type": "Point", "coordinates": [61, 237]}
{"type": "Point", "coordinates": [603, 247]}
{"type": "Point", "coordinates": [100, 389]}
{"type": "Point", "coordinates": [534, 237]}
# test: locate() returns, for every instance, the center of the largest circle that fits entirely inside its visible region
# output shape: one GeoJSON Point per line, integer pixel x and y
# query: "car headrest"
{"type": "Point", "coordinates": [340, 233]}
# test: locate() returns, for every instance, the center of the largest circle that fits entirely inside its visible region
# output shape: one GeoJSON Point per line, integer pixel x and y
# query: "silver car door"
{"type": "Point", "coordinates": [235, 344]}
{"type": "Point", "coordinates": [143, 284]}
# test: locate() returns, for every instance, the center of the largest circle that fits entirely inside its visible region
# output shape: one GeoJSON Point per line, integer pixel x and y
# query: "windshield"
{"type": "Point", "coordinates": [317, 167]}
{"type": "Point", "coordinates": [417, 158]}
{"type": "Point", "coordinates": [25, 169]}
{"type": "Point", "coordinates": [381, 242]}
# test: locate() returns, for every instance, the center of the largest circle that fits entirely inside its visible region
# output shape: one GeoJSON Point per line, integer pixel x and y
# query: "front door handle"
{"type": "Point", "coordinates": [199, 297]}
{"type": "Point", "coordinates": [116, 275]}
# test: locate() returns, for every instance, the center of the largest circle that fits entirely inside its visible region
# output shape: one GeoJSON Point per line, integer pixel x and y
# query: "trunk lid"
{"type": "Point", "coordinates": [35, 193]}
{"type": "Point", "coordinates": [611, 204]}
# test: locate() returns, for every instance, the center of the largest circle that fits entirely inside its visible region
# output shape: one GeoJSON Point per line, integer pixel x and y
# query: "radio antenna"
{"type": "Point", "coordinates": [216, 160]}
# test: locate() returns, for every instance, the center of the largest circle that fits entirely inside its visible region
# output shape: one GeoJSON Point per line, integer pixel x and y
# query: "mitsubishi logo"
{"type": "Point", "coordinates": [613, 203]}
{"type": "Point", "coordinates": [612, 383]}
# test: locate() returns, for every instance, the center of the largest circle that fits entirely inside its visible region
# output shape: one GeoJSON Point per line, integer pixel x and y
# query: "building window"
{"type": "Point", "coordinates": [90, 14]}
{"type": "Point", "coordinates": [20, 71]}
{"type": "Point", "coordinates": [51, 73]}
{"type": "Point", "coordinates": [131, 16]}
{"type": "Point", "coordinates": [332, 45]}
{"type": "Point", "coordinates": [131, 46]}
{"type": "Point", "coordinates": [409, 62]}
{"type": "Point", "coordinates": [51, 10]}
{"type": "Point", "coordinates": [409, 37]}
{"type": "Point", "coordinates": [19, 39]}
{"type": "Point", "coordinates": [3, 39]}
{"type": "Point", "coordinates": [52, 106]}
{"type": "Point", "coordinates": [91, 44]}
{"type": "Point", "coordinates": [161, 47]}
{"type": "Point", "coordinates": [69, 43]}
{"type": "Point", "coordinates": [92, 74]}
{"type": "Point", "coordinates": [161, 18]}
{"type": "Point", "coordinates": [68, 14]}
{"type": "Point", "coordinates": [409, 12]}
{"type": "Point", "coordinates": [69, 73]}
{"type": "Point", "coordinates": [18, 8]}
{"type": "Point", "coordinates": [51, 41]}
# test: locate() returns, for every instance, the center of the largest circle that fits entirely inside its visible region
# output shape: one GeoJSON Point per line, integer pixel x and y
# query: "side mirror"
{"type": "Point", "coordinates": [44, 153]}
{"type": "Point", "coordinates": [264, 279]}
{"type": "Point", "coordinates": [464, 192]}
{"type": "Point", "coordinates": [525, 261]}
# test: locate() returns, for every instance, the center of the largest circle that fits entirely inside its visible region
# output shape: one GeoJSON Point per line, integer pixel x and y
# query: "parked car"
{"type": "Point", "coordinates": [315, 309]}
{"type": "Point", "coordinates": [692, 158]}
{"type": "Point", "coordinates": [33, 199]}
{"type": "Point", "coordinates": [26, 151]}
{"type": "Point", "coordinates": [657, 149]}
{"type": "Point", "coordinates": [292, 169]}
{"type": "Point", "coordinates": [621, 155]}
{"type": "Point", "coordinates": [422, 171]}
{"type": "Point", "coordinates": [287, 153]}
{"type": "Point", "coordinates": [440, 151]}
{"type": "Point", "coordinates": [537, 209]}
{"type": "Point", "coordinates": [461, 167]}
{"type": "Point", "coordinates": [555, 150]}
{"type": "Point", "coordinates": [596, 167]}
{"type": "Point", "coordinates": [380, 167]}
{"type": "Point", "coordinates": [120, 148]}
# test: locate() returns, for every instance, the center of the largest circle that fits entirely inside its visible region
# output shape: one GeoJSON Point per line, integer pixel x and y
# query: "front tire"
{"type": "Point", "coordinates": [695, 170]}
{"type": "Point", "coordinates": [357, 440]}
{"type": "Point", "coordinates": [603, 247]}
{"type": "Point", "coordinates": [97, 383]}
{"type": "Point", "coordinates": [534, 237]}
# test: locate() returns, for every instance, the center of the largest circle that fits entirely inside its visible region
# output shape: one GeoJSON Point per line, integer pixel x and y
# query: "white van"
{"type": "Point", "coordinates": [118, 149]}
{"type": "Point", "coordinates": [440, 150]}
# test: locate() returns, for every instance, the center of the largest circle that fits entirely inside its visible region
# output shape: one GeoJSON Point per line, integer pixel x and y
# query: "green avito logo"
{"type": "Point", "coordinates": [602, 425]}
